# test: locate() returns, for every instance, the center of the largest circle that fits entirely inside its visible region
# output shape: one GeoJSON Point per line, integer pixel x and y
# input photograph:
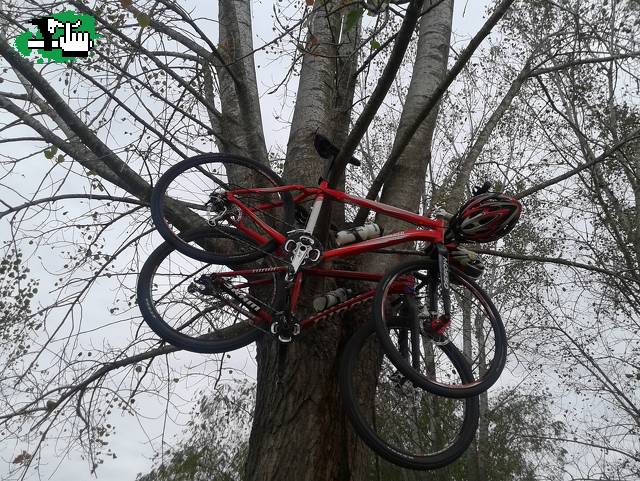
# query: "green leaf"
{"type": "Point", "coordinates": [60, 158]}
{"type": "Point", "coordinates": [143, 19]}
{"type": "Point", "coordinates": [352, 19]}
{"type": "Point", "coordinates": [50, 152]}
{"type": "Point", "coordinates": [375, 45]}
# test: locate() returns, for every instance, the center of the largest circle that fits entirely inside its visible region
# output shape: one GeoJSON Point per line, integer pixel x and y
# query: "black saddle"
{"type": "Point", "coordinates": [327, 150]}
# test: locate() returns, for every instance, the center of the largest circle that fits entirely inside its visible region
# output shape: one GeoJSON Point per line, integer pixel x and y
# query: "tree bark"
{"type": "Point", "coordinates": [299, 431]}
{"type": "Point", "coordinates": [405, 187]}
{"type": "Point", "coordinates": [316, 94]}
{"type": "Point", "coordinates": [242, 119]}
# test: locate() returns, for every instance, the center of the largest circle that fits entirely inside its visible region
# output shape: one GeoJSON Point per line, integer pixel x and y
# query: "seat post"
{"type": "Point", "coordinates": [315, 210]}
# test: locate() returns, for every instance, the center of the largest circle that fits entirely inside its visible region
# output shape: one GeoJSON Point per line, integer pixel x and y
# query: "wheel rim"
{"type": "Point", "coordinates": [196, 189]}
{"type": "Point", "coordinates": [233, 306]}
{"type": "Point", "coordinates": [406, 425]}
{"type": "Point", "coordinates": [475, 329]}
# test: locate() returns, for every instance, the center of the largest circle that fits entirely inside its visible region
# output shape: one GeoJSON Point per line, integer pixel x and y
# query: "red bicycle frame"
{"type": "Point", "coordinates": [429, 230]}
{"type": "Point", "coordinates": [261, 316]}
{"type": "Point", "coordinates": [434, 234]}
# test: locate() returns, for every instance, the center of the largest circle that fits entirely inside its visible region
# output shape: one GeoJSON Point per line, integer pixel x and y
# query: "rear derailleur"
{"type": "Point", "coordinates": [219, 209]}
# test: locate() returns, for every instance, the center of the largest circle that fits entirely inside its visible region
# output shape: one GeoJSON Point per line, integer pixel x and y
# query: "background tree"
{"type": "Point", "coordinates": [166, 83]}
{"type": "Point", "coordinates": [519, 446]}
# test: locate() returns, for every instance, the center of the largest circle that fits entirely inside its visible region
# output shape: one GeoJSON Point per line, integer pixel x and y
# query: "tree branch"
{"type": "Point", "coordinates": [44, 200]}
{"type": "Point", "coordinates": [134, 183]}
{"type": "Point", "coordinates": [106, 368]}
{"type": "Point", "coordinates": [457, 191]}
{"type": "Point", "coordinates": [607, 153]}
{"type": "Point", "coordinates": [553, 260]}
{"type": "Point", "coordinates": [583, 443]}
{"type": "Point", "coordinates": [379, 93]}
{"type": "Point", "coordinates": [402, 142]}
{"type": "Point", "coordinates": [77, 151]}
{"type": "Point", "coordinates": [583, 61]}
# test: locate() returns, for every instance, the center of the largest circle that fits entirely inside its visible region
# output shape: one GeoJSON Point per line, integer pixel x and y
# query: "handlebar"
{"type": "Point", "coordinates": [483, 189]}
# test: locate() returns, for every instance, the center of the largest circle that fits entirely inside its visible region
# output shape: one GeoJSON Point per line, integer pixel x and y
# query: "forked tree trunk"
{"type": "Point", "coordinates": [299, 430]}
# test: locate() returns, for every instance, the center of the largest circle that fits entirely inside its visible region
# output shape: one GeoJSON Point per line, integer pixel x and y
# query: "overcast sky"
{"type": "Point", "coordinates": [131, 444]}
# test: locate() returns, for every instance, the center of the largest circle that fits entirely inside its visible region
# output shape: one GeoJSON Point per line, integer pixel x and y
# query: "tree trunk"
{"type": "Point", "coordinates": [405, 187]}
{"type": "Point", "coordinates": [242, 131]}
{"type": "Point", "coordinates": [299, 430]}
{"type": "Point", "coordinates": [298, 405]}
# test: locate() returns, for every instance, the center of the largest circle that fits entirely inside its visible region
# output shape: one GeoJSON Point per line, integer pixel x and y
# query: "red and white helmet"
{"type": "Point", "coordinates": [486, 217]}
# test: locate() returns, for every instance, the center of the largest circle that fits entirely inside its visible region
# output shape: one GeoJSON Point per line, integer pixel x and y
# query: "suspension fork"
{"type": "Point", "coordinates": [440, 277]}
{"type": "Point", "coordinates": [409, 311]}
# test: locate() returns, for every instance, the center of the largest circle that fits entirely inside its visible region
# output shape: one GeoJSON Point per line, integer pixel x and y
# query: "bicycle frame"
{"type": "Point", "coordinates": [434, 234]}
{"type": "Point", "coordinates": [312, 320]}
{"type": "Point", "coordinates": [430, 230]}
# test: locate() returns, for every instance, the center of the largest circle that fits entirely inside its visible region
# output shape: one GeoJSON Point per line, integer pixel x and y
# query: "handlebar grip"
{"type": "Point", "coordinates": [486, 187]}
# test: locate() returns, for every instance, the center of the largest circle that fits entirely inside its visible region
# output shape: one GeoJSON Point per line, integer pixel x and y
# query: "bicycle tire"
{"type": "Point", "coordinates": [189, 185]}
{"type": "Point", "coordinates": [484, 342]}
{"type": "Point", "coordinates": [423, 448]}
{"type": "Point", "coordinates": [219, 321]}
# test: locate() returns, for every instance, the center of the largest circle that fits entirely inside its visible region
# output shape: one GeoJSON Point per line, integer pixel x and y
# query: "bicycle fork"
{"type": "Point", "coordinates": [437, 322]}
{"type": "Point", "coordinates": [426, 320]}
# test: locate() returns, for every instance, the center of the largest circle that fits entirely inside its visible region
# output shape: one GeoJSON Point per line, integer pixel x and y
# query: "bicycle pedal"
{"type": "Point", "coordinates": [274, 328]}
{"type": "Point", "coordinates": [285, 333]}
{"type": "Point", "coordinates": [398, 378]}
{"type": "Point", "coordinates": [285, 339]}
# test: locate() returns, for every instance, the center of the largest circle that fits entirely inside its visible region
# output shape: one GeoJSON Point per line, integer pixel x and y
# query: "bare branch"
{"type": "Point", "coordinates": [135, 184]}
{"type": "Point", "coordinates": [401, 143]}
{"type": "Point", "coordinates": [614, 272]}
{"type": "Point", "coordinates": [606, 154]}
{"type": "Point", "coordinates": [57, 198]}
{"type": "Point", "coordinates": [583, 61]}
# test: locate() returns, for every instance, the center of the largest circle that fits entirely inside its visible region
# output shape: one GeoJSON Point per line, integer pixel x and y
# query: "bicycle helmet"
{"type": "Point", "coordinates": [467, 262]}
{"type": "Point", "coordinates": [486, 217]}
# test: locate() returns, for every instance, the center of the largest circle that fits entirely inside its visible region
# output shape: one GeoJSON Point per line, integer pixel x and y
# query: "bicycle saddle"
{"type": "Point", "coordinates": [327, 150]}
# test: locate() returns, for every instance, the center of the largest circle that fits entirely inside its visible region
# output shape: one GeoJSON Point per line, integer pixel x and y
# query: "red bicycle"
{"type": "Point", "coordinates": [219, 288]}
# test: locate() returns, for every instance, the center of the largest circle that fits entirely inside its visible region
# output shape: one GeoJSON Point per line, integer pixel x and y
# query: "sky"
{"type": "Point", "coordinates": [131, 444]}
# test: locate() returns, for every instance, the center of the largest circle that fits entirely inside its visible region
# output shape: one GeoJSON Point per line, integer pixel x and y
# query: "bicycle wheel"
{"type": "Point", "coordinates": [403, 424]}
{"type": "Point", "coordinates": [207, 308]}
{"type": "Point", "coordinates": [475, 328]}
{"type": "Point", "coordinates": [192, 193]}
